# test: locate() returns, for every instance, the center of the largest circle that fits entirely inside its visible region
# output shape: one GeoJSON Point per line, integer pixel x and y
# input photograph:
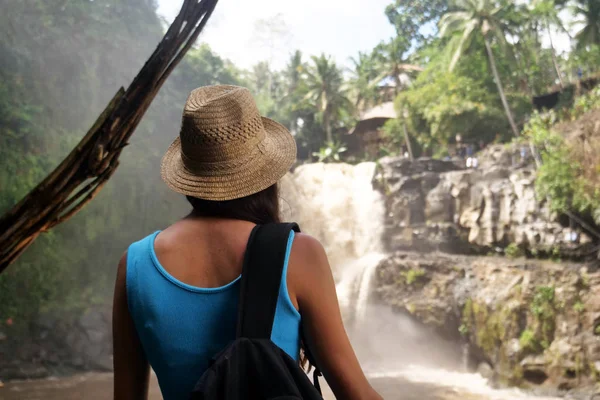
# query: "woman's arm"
{"type": "Point", "coordinates": [313, 287]}
{"type": "Point", "coordinates": [131, 367]}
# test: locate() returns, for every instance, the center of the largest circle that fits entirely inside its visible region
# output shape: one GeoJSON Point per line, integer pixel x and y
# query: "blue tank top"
{"type": "Point", "coordinates": [181, 327]}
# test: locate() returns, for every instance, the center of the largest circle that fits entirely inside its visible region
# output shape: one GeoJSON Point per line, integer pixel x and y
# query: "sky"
{"type": "Point", "coordinates": [340, 28]}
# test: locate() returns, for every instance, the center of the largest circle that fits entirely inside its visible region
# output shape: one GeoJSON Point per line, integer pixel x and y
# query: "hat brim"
{"type": "Point", "coordinates": [259, 169]}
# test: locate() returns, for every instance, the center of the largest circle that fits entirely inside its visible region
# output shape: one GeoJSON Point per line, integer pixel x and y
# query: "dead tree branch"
{"type": "Point", "coordinates": [81, 175]}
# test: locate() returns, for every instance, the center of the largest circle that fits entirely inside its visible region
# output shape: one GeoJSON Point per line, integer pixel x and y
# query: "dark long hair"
{"type": "Point", "coordinates": [259, 208]}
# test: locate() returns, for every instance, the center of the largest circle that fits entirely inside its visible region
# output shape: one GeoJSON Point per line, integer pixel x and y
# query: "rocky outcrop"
{"type": "Point", "coordinates": [439, 205]}
{"type": "Point", "coordinates": [528, 322]}
{"type": "Point", "coordinates": [56, 345]}
{"type": "Point", "coordinates": [534, 323]}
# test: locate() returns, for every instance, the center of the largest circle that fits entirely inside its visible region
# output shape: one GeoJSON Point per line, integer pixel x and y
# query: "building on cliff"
{"type": "Point", "coordinates": [366, 138]}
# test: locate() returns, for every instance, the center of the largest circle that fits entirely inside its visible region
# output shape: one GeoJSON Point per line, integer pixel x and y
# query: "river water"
{"type": "Point", "coordinates": [98, 386]}
{"type": "Point", "coordinates": [337, 204]}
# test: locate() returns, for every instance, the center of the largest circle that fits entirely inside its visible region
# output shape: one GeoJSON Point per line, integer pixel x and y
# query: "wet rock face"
{"type": "Point", "coordinates": [439, 205]}
{"type": "Point", "coordinates": [58, 346]}
{"type": "Point", "coordinates": [535, 323]}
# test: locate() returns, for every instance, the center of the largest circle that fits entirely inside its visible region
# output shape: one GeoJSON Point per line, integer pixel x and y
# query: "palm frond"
{"type": "Point", "coordinates": [453, 21]}
{"type": "Point", "coordinates": [464, 41]}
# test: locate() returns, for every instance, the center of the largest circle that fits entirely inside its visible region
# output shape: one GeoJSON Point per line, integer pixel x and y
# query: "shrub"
{"type": "Point", "coordinates": [528, 341]}
{"type": "Point", "coordinates": [413, 275]}
{"type": "Point", "coordinates": [513, 251]}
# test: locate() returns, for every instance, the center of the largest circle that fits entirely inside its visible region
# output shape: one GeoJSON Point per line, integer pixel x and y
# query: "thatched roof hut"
{"type": "Point", "coordinates": [374, 118]}
{"type": "Point", "coordinates": [366, 136]}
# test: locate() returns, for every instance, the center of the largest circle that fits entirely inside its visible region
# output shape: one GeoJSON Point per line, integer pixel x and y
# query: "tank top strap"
{"type": "Point", "coordinates": [139, 259]}
{"type": "Point", "coordinates": [284, 295]}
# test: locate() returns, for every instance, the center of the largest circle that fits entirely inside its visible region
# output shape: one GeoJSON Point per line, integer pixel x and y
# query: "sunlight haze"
{"type": "Point", "coordinates": [359, 26]}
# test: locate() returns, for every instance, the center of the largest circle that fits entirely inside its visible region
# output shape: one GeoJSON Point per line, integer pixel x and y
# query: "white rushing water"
{"type": "Point", "coordinates": [337, 204]}
{"type": "Point", "coordinates": [465, 382]}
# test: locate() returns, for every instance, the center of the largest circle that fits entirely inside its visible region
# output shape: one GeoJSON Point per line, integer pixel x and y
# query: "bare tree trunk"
{"type": "Point", "coordinates": [556, 67]}
{"type": "Point", "coordinates": [327, 123]}
{"type": "Point", "coordinates": [511, 120]}
{"type": "Point", "coordinates": [326, 118]}
{"type": "Point", "coordinates": [407, 140]}
{"type": "Point", "coordinates": [396, 81]}
{"type": "Point", "coordinates": [83, 173]}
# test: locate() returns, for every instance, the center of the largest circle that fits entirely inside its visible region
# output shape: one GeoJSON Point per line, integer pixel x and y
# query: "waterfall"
{"type": "Point", "coordinates": [336, 203]}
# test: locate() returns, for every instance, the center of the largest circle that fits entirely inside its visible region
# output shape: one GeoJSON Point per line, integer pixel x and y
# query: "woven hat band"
{"type": "Point", "coordinates": [197, 156]}
{"type": "Point", "coordinates": [218, 168]}
{"type": "Point", "coordinates": [232, 131]}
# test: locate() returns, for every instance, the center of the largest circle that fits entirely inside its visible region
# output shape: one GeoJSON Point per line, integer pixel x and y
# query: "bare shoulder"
{"type": "Point", "coordinates": [309, 267]}
{"type": "Point", "coordinates": [122, 264]}
{"type": "Point", "coordinates": [307, 250]}
{"type": "Point", "coordinates": [121, 273]}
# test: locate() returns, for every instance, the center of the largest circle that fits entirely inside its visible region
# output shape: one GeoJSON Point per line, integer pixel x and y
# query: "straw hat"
{"type": "Point", "coordinates": [226, 149]}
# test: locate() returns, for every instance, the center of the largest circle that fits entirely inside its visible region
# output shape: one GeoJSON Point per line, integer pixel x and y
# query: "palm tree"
{"type": "Point", "coordinates": [261, 77]}
{"type": "Point", "coordinates": [364, 80]}
{"type": "Point", "coordinates": [293, 100]}
{"type": "Point", "coordinates": [294, 70]}
{"type": "Point", "coordinates": [588, 13]}
{"type": "Point", "coordinates": [547, 12]}
{"type": "Point", "coordinates": [392, 62]}
{"type": "Point", "coordinates": [326, 92]}
{"type": "Point", "coordinates": [478, 17]}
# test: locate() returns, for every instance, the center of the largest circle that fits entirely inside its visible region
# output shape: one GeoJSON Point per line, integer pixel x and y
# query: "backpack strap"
{"type": "Point", "coordinates": [261, 279]}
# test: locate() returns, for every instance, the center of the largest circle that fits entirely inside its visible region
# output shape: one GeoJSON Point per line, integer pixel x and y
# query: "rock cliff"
{"type": "Point", "coordinates": [527, 322]}
{"type": "Point", "coordinates": [439, 205]}
{"type": "Point", "coordinates": [533, 323]}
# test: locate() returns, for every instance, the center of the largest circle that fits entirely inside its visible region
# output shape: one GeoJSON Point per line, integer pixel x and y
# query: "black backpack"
{"type": "Point", "coordinates": [253, 367]}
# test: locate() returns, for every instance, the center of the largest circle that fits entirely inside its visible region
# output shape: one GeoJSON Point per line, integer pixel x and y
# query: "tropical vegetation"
{"type": "Point", "coordinates": [464, 67]}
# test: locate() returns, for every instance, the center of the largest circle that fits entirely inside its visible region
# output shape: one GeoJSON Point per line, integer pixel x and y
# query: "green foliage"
{"type": "Point", "coordinates": [326, 90]}
{"type": "Point", "coordinates": [543, 307]}
{"type": "Point", "coordinates": [484, 19]}
{"type": "Point", "coordinates": [414, 19]}
{"type": "Point", "coordinates": [561, 177]}
{"type": "Point", "coordinates": [528, 341]}
{"type": "Point", "coordinates": [468, 19]}
{"type": "Point", "coordinates": [586, 58]}
{"type": "Point", "coordinates": [583, 104]}
{"type": "Point", "coordinates": [467, 318]}
{"type": "Point", "coordinates": [543, 302]}
{"type": "Point", "coordinates": [331, 152]}
{"type": "Point", "coordinates": [60, 65]}
{"type": "Point", "coordinates": [442, 104]}
{"type": "Point", "coordinates": [588, 13]}
{"type": "Point", "coordinates": [55, 77]}
{"type": "Point", "coordinates": [513, 251]}
{"type": "Point", "coordinates": [393, 131]}
{"type": "Point", "coordinates": [585, 280]}
{"type": "Point", "coordinates": [413, 275]}
{"type": "Point", "coordinates": [468, 311]}
{"type": "Point", "coordinates": [392, 62]}
{"type": "Point", "coordinates": [555, 254]}
{"type": "Point", "coordinates": [579, 307]}
{"type": "Point", "coordinates": [364, 81]}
